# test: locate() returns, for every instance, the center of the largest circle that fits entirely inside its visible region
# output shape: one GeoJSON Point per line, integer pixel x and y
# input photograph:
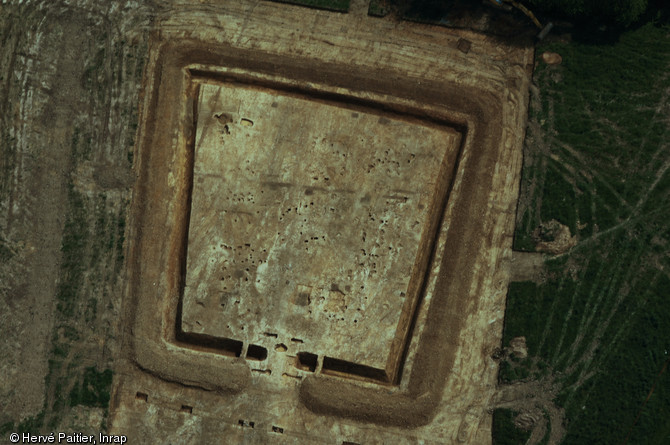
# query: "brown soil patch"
{"type": "Point", "coordinates": [551, 58]}
{"type": "Point", "coordinates": [534, 401]}
{"type": "Point", "coordinates": [554, 237]}
{"type": "Point", "coordinates": [527, 266]}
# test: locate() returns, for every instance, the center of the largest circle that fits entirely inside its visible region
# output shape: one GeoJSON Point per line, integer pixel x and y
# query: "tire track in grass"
{"type": "Point", "coordinates": [591, 305]}
{"type": "Point", "coordinates": [594, 361]}
{"type": "Point", "coordinates": [663, 100]}
{"type": "Point", "coordinates": [566, 323]}
{"type": "Point", "coordinates": [589, 241]}
{"type": "Point", "coordinates": [598, 364]}
{"type": "Point", "coordinates": [552, 311]}
{"type": "Point", "coordinates": [614, 188]}
{"type": "Point", "coordinates": [611, 345]}
{"type": "Point", "coordinates": [599, 328]}
{"type": "Point", "coordinates": [586, 169]}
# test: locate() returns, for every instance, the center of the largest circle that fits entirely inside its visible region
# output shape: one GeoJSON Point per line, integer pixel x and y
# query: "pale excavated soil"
{"type": "Point", "coordinates": [446, 397]}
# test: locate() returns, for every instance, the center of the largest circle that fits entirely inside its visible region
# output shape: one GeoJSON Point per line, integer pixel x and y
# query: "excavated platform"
{"type": "Point", "coordinates": [321, 222]}
{"type": "Point", "coordinates": [311, 223]}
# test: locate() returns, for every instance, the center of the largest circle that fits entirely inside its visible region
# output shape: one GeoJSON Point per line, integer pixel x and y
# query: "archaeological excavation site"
{"type": "Point", "coordinates": [320, 227]}
{"type": "Point", "coordinates": [342, 222]}
{"type": "Point", "coordinates": [318, 236]}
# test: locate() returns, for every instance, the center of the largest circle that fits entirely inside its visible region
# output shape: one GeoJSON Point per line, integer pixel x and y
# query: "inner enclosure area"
{"type": "Point", "coordinates": [311, 224]}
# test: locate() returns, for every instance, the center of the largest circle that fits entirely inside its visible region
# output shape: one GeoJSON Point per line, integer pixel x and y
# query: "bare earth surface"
{"type": "Point", "coordinates": [343, 214]}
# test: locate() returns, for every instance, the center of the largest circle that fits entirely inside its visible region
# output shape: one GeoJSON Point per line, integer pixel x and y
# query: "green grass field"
{"type": "Point", "coordinates": [597, 159]}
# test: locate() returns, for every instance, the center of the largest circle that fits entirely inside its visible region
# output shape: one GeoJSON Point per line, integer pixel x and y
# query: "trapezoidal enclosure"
{"type": "Point", "coordinates": [316, 237]}
{"type": "Point", "coordinates": [312, 222]}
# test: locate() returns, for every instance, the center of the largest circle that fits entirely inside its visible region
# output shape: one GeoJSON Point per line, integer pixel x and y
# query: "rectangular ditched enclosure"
{"type": "Point", "coordinates": [320, 220]}
{"type": "Point", "coordinates": [313, 216]}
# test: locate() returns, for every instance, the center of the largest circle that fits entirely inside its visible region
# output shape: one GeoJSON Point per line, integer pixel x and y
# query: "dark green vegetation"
{"type": "Point", "coordinates": [504, 430]}
{"type": "Point", "coordinates": [93, 390]}
{"type": "Point", "coordinates": [91, 248]}
{"type": "Point", "coordinates": [331, 5]}
{"type": "Point", "coordinates": [597, 159]}
{"type": "Point", "coordinates": [430, 11]}
{"type": "Point", "coordinates": [616, 12]}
